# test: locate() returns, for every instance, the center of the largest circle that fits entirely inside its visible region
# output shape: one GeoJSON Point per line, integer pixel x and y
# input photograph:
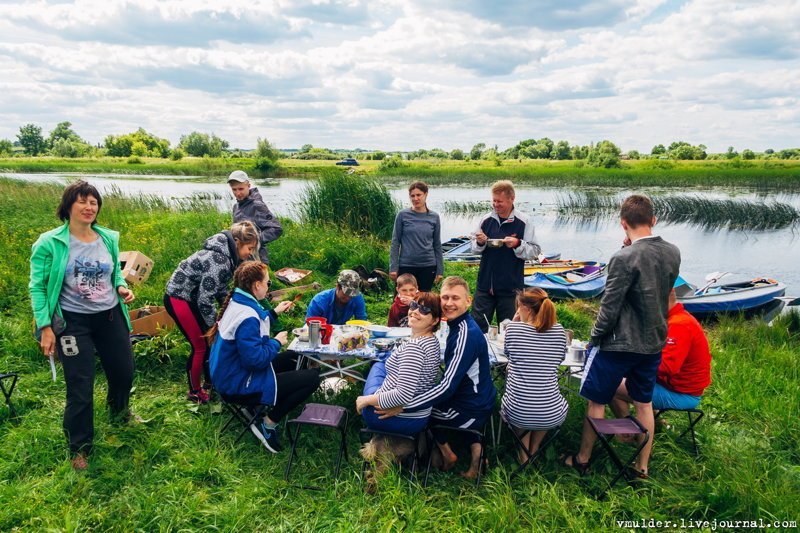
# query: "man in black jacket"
{"type": "Point", "coordinates": [631, 326]}
{"type": "Point", "coordinates": [250, 206]}
{"type": "Point", "coordinates": [505, 240]}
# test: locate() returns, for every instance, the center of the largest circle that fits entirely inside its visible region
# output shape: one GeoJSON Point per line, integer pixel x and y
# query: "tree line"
{"type": "Point", "coordinates": [63, 141]}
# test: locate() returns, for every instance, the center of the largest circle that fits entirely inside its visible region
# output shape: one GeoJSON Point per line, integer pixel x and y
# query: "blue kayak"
{"type": "Point", "coordinates": [729, 297]}
{"type": "Point", "coordinates": [579, 284]}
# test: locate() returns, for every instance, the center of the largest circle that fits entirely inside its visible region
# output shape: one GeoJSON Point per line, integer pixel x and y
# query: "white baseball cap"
{"type": "Point", "coordinates": [239, 176]}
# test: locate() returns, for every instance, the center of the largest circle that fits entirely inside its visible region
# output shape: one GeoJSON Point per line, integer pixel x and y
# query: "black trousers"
{"type": "Point", "coordinates": [294, 386]}
{"type": "Point", "coordinates": [485, 305]}
{"type": "Point", "coordinates": [105, 333]}
{"type": "Point", "coordinates": [424, 275]}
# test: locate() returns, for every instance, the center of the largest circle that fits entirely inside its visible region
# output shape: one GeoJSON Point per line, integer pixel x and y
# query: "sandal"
{"type": "Point", "coordinates": [581, 468]}
{"type": "Point", "coordinates": [635, 475]}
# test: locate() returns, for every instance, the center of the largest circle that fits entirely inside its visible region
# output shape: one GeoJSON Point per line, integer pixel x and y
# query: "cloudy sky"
{"type": "Point", "coordinates": [403, 75]}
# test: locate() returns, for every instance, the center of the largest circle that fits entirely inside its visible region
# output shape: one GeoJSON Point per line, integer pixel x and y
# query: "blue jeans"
{"type": "Point", "coordinates": [394, 424]}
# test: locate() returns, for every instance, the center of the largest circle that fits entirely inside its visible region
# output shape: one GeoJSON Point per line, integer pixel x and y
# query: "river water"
{"type": "Point", "coordinates": [745, 254]}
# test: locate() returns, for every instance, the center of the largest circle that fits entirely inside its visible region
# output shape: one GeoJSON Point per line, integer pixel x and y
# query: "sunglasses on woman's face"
{"type": "Point", "coordinates": [423, 309]}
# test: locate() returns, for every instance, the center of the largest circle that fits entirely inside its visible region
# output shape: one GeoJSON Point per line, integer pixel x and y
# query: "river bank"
{"type": "Point", "coordinates": [772, 174]}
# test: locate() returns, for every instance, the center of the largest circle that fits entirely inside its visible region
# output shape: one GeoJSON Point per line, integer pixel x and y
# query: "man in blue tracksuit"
{"type": "Point", "coordinates": [464, 398]}
{"type": "Point", "coordinates": [505, 240]}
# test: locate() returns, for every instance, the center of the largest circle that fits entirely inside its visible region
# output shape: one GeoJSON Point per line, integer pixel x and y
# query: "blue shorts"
{"type": "Point", "coordinates": [663, 398]}
{"type": "Point", "coordinates": [604, 373]}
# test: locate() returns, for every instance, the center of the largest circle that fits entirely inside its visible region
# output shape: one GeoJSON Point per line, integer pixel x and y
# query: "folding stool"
{"type": "Point", "coordinates": [605, 428]}
{"type": "Point", "coordinates": [546, 442]}
{"type": "Point", "coordinates": [693, 416]}
{"type": "Point", "coordinates": [246, 408]}
{"type": "Point", "coordinates": [481, 440]}
{"type": "Point", "coordinates": [322, 415]}
{"type": "Point", "coordinates": [7, 392]}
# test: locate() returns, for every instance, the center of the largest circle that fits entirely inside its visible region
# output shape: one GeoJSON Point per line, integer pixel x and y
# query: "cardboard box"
{"type": "Point", "coordinates": [136, 266]}
{"type": "Point", "coordinates": [147, 320]}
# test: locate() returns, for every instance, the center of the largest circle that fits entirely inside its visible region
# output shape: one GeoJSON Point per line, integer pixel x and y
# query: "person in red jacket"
{"type": "Point", "coordinates": [407, 289]}
{"type": "Point", "coordinates": [685, 368]}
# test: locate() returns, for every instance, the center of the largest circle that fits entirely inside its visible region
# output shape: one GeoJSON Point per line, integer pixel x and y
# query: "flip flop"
{"type": "Point", "coordinates": [636, 475]}
{"type": "Point", "coordinates": [581, 468]}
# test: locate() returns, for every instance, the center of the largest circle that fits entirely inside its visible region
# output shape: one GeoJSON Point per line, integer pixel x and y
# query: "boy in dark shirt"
{"type": "Point", "coordinates": [406, 290]}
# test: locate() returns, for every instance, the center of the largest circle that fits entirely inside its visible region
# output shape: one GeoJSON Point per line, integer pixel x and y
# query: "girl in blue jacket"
{"type": "Point", "coordinates": [244, 358]}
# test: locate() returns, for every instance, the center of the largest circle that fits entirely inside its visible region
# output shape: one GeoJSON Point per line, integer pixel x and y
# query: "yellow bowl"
{"type": "Point", "coordinates": [358, 323]}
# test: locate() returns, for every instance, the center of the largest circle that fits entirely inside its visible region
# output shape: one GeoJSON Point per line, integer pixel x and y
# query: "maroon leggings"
{"type": "Point", "coordinates": [189, 321]}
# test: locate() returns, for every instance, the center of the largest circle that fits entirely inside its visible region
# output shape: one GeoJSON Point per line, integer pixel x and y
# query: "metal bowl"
{"type": "Point", "coordinates": [384, 345]}
{"type": "Point", "coordinates": [494, 243]}
{"type": "Point", "coordinates": [576, 353]}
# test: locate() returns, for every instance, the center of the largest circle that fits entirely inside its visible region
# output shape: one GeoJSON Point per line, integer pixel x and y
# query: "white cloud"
{"type": "Point", "coordinates": [406, 74]}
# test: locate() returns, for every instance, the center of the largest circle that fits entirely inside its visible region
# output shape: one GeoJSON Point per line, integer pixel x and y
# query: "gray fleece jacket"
{"type": "Point", "coordinates": [256, 211]}
{"type": "Point", "coordinates": [633, 311]}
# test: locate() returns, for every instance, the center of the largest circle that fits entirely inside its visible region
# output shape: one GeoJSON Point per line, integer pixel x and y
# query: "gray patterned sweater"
{"type": "Point", "coordinates": [203, 277]}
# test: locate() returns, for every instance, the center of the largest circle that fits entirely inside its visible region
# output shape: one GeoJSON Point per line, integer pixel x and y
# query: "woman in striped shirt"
{"type": "Point", "coordinates": [535, 344]}
{"type": "Point", "coordinates": [411, 370]}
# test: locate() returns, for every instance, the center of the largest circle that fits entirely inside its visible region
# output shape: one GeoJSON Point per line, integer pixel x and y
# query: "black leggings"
{"type": "Point", "coordinates": [294, 386]}
{"type": "Point", "coordinates": [105, 333]}
{"type": "Point", "coordinates": [424, 276]}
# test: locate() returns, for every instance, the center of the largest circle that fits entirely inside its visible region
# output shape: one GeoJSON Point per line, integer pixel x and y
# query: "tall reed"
{"type": "Point", "coordinates": [703, 212]}
{"type": "Point", "coordinates": [359, 203]}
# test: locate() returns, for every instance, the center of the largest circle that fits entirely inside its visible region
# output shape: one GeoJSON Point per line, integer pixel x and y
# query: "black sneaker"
{"type": "Point", "coordinates": [267, 436]}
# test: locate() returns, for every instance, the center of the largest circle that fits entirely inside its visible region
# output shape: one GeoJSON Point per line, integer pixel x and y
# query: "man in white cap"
{"type": "Point", "coordinates": [250, 206]}
{"type": "Point", "coordinates": [342, 303]}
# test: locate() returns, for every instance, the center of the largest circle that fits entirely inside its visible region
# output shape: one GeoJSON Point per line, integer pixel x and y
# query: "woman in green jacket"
{"type": "Point", "coordinates": [79, 302]}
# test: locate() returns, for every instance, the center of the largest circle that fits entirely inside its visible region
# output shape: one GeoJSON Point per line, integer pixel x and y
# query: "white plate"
{"type": "Point", "coordinates": [399, 332]}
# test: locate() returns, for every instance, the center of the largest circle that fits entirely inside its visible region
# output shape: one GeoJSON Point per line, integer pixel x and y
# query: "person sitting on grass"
{"type": "Point", "coordinates": [535, 344]}
{"type": "Point", "coordinates": [245, 360]}
{"type": "Point", "coordinates": [685, 368]}
{"type": "Point", "coordinates": [464, 398]}
{"type": "Point", "coordinates": [411, 370]}
{"type": "Point", "coordinates": [342, 303]}
{"type": "Point", "coordinates": [406, 291]}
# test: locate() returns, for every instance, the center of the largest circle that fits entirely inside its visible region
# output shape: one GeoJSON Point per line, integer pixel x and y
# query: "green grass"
{"type": "Point", "coordinates": [178, 472]}
{"type": "Point", "coordinates": [704, 212]}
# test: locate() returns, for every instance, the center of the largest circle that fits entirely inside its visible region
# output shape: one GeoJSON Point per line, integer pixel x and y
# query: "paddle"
{"type": "Point", "coordinates": [712, 278]}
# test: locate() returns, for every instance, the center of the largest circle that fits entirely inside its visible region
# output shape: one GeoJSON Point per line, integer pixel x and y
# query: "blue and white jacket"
{"type": "Point", "coordinates": [466, 385]}
{"type": "Point", "coordinates": [242, 354]}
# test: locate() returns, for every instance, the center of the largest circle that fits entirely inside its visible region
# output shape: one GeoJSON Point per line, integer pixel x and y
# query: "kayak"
{"type": "Point", "coordinates": [577, 284]}
{"type": "Point", "coordinates": [746, 296]}
{"type": "Point", "coordinates": [557, 266]}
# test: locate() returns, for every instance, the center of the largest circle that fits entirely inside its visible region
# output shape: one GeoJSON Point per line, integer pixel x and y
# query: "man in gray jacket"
{"type": "Point", "coordinates": [631, 327]}
{"type": "Point", "coordinates": [250, 206]}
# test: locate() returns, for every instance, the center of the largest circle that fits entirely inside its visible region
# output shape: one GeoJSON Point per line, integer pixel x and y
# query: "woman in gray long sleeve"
{"type": "Point", "coordinates": [416, 241]}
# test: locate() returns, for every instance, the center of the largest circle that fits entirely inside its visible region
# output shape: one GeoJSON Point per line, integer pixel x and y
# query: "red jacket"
{"type": "Point", "coordinates": [398, 314]}
{"type": "Point", "coordinates": [685, 360]}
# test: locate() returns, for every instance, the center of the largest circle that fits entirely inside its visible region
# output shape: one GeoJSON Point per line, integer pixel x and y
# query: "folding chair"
{"type": "Point", "coordinates": [322, 415]}
{"type": "Point", "coordinates": [693, 416]}
{"type": "Point", "coordinates": [9, 390]}
{"type": "Point", "coordinates": [413, 439]}
{"type": "Point", "coordinates": [604, 429]}
{"type": "Point", "coordinates": [481, 440]}
{"type": "Point", "coordinates": [246, 408]}
{"type": "Point", "coordinates": [546, 442]}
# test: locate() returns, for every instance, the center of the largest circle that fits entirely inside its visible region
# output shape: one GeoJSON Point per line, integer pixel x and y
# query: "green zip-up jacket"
{"type": "Point", "coordinates": [49, 255]}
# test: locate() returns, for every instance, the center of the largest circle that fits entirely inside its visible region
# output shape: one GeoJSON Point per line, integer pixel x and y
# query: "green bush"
{"type": "Point", "coordinates": [176, 155]}
{"type": "Point", "coordinates": [359, 203]}
{"type": "Point", "coordinates": [135, 160]}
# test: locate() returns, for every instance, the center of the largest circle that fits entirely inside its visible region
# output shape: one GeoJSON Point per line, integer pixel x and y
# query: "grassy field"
{"type": "Point", "coordinates": [766, 174]}
{"type": "Point", "coordinates": [178, 472]}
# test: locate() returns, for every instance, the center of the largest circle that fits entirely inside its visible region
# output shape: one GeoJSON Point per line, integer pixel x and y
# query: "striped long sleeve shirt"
{"type": "Point", "coordinates": [532, 399]}
{"type": "Point", "coordinates": [411, 370]}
